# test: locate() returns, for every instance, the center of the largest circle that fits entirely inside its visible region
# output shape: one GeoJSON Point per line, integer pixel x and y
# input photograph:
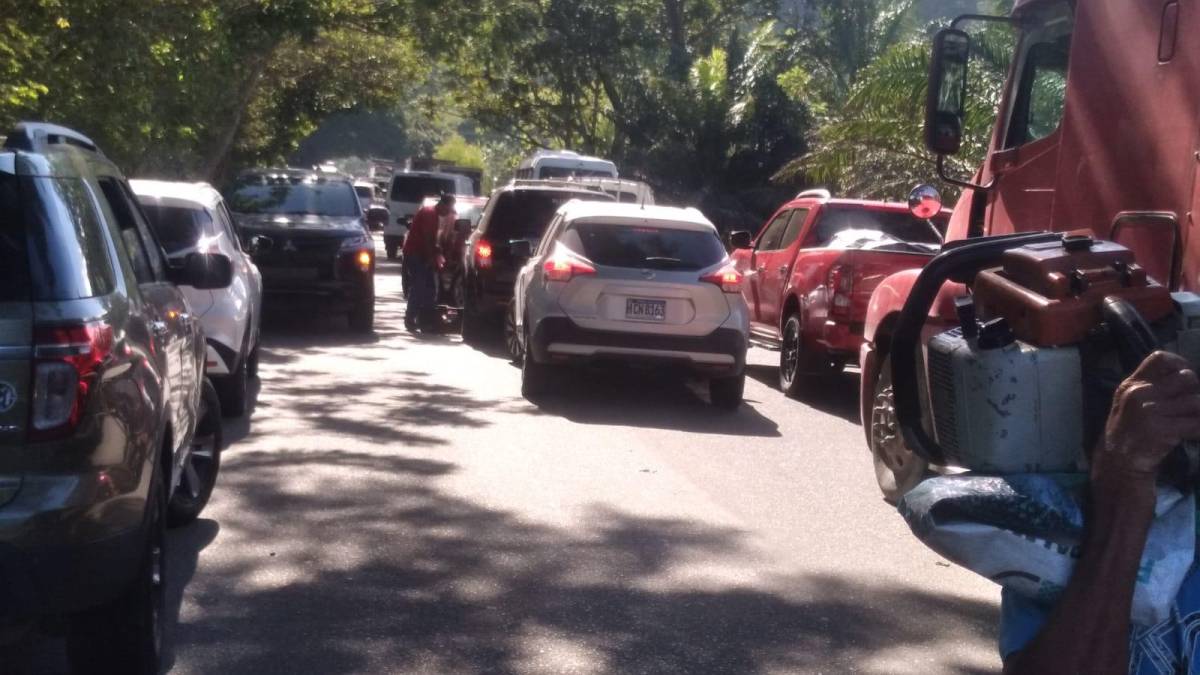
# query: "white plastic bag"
{"type": "Point", "coordinates": [1024, 532]}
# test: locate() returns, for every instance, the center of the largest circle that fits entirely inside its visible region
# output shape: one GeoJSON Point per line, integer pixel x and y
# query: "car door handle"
{"type": "Point", "coordinates": [160, 328]}
{"type": "Point", "coordinates": [762, 268]}
{"type": "Point", "coordinates": [783, 270]}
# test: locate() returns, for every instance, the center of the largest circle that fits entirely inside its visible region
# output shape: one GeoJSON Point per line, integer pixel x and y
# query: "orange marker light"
{"type": "Point", "coordinates": [364, 259]}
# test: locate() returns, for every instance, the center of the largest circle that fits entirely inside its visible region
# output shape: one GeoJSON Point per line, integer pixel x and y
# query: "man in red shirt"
{"type": "Point", "coordinates": [420, 263]}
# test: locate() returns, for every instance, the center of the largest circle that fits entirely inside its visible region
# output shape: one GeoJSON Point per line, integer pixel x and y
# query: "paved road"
{"type": "Point", "coordinates": [394, 506]}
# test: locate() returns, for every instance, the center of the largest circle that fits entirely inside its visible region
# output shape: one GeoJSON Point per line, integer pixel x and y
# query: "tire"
{"type": "Point", "coordinates": [472, 322]}
{"type": "Point", "coordinates": [512, 339]}
{"type": "Point", "coordinates": [232, 390]}
{"type": "Point", "coordinates": [897, 468]}
{"type": "Point", "coordinates": [125, 635]}
{"type": "Point", "coordinates": [535, 377]}
{"type": "Point", "coordinates": [203, 464]}
{"type": "Point", "coordinates": [362, 317]}
{"type": "Point", "coordinates": [252, 362]}
{"type": "Point", "coordinates": [727, 392]}
{"type": "Point", "coordinates": [791, 358]}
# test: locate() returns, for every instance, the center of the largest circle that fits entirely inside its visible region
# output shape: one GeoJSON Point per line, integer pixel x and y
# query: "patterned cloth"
{"type": "Point", "coordinates": [1167, 648]}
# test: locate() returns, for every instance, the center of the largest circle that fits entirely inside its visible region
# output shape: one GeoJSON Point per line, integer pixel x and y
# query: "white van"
{"type": "Point", "coordinates": [408, 190]}
{"type": "Point", "coordinates": [623, 190]}
{"type": "Point", "coordinates": [549, 164]}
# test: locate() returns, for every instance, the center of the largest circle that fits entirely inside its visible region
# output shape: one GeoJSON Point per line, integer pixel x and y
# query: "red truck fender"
{"type": "Point", "coordinates": [886, 302]}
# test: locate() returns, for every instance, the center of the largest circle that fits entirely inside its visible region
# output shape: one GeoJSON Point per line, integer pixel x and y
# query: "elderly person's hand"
{"type": "Point", "coordinates": [1155, 409]}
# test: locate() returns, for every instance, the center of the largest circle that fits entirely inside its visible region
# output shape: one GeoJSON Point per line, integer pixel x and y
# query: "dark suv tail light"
{"type": "Point", "coordinates": [483, 253]}
{"type": "Point", "coordinates": [66, 364]}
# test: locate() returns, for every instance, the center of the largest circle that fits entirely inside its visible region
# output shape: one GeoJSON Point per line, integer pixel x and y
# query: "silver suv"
{"type": "Point", "coordinates": [622, 282]}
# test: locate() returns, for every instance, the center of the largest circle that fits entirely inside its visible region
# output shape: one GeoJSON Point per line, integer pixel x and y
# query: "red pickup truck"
{"type": "Point", "coordinates": [812, 268]}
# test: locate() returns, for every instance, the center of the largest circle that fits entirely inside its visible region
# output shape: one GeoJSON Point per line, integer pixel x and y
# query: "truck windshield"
{"type": "Point", "coordinates": [334, 200]}
{"type": "Point", "coordinates": [894, 225]}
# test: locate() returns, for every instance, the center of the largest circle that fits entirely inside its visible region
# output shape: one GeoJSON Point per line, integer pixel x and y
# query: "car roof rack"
{"type": "Point", "coordinates": [816, 193]}
{"type": "Point", "coordinates": [552, 182]}
{"type": "Point", "coordinates": [37, 136]}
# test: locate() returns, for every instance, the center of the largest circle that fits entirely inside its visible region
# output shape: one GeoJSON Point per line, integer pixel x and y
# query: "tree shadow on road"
{"type": "Point", "coordinates": [376, 569]}
{"type": "Point", "coordinates": [649, 399]}
{"type": "Point", "coordinates": [833, 394]}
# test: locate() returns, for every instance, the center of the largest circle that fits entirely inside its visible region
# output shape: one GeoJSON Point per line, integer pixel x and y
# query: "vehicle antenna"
{"type": "Point", "coordinates": [644, 198]}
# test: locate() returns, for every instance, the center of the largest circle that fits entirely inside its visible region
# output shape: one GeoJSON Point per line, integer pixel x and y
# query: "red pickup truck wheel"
{"type": "Point", "coordinates": [897, 468]}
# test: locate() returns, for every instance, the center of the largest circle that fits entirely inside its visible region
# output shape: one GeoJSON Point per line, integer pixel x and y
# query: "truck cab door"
{"type": "Point", "coordinates": [778, 264]}
{"type": "Point", "coordinates": [758, 276]}
{"type": "Point", "coordinates": [1025, 165]}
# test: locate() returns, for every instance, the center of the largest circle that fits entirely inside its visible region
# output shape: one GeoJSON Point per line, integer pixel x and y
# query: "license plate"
{"type": "Point", "coordinates": [645, 310]}
{"type": "Point", "coordinates": [290, 274]}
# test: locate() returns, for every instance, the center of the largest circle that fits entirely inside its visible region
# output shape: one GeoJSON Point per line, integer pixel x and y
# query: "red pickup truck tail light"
{"type": "Point", "coordinates": [564, 267]}
{"type": "Point", "coordinates": [841, 287]}
{"type": "Point", "coordinates": [728, 278]}
{"type": "Point", "coordinates": [67, 362]}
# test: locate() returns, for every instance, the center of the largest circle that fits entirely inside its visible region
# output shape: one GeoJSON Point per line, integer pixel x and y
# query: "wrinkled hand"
{"type": "Point", "coordinates": [1153, 410]}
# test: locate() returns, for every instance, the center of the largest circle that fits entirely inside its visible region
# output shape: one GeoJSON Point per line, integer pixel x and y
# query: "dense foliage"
{"type": "Point", "coordinates": [731, 104]}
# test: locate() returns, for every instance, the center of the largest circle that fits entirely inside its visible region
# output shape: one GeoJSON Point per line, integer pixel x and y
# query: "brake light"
{"type": "Point", "coordinates": [841, 285]}
{"type": "Point", "coordinates": [483, 253]}
{"type": "Point", "coordinates": [728, 278]}
{"type": "Point", "coordinates": [564, 267]}
{"type": "Point", "coordinates": [67, 362]}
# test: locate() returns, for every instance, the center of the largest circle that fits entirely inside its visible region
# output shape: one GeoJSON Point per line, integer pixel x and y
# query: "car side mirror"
{"type": "Point", "coordinates": [259, 244]}
{"type": "Point", "coordinates": [945, 101]}
{"type": "Point", "coordinates": [740, 239]}
{"type": "Point", "coordinates": [203, 271]}
{"type": "Point", "coordinates": [520, 248]}
{"type": "Point", "coordinates": [463, 226]}
{"type": "Point", "coordinates": [377, 217]}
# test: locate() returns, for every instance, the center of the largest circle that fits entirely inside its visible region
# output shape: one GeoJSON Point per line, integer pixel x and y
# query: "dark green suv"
{"type": "Point", "coordinates": [101, 392]}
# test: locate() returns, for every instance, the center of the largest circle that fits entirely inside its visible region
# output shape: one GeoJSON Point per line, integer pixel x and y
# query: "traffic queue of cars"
{"type": "Point", "coordinates": [129, 323]}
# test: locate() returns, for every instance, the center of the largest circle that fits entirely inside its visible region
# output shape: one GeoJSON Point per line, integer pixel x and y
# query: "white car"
{"type": "Point", "coordinates": [408, 190]}
{"type": "Point", "coordinates": [191, 218]}
{"type": "Point", "coordinates": [622, 282]}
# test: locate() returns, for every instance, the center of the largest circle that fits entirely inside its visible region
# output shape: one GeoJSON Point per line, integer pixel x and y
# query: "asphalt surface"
{"type": "Point", "coordinates": [393, 505]}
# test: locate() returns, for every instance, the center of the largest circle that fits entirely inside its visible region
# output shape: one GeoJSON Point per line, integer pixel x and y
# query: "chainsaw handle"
{"type": "Point", "coordinates": [959, 261]}
{"type": "Point", "coordinates": [1134, 338]}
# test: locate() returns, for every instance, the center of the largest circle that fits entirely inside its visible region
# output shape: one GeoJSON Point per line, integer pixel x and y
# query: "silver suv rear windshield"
{"type": "Point", "coordinates": [178, 228]}
{"type": "Point", "coordinates": [644, 247]}
{"type": "Point", "coordinates": [51, 243]}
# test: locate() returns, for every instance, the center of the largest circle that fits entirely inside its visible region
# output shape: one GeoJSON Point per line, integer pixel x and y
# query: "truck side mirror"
{"type": "Point", "coordinates": [945, 102]}
{"type": "Point", "coordinates": [925, 202]}
{"type": "Point", "coordinates": [740, 239]}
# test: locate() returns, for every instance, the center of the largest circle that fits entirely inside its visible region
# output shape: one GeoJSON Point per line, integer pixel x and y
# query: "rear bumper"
{"type": "Point", "coordinates": [558, 339]}
{"type": "Point", "coordinates": [65, 579]}
{"type": "Point", "coordinates": [842, 338]}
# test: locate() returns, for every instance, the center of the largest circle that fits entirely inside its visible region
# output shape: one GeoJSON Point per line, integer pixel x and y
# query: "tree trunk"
{"type": "Point", "coordinates": [215, 164]}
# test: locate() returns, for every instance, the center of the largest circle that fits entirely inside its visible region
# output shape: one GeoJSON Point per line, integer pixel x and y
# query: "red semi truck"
{"type": "Point", "coordinates": [1098, 131]}
{"type": "Point", "coordinates": [811, 270]}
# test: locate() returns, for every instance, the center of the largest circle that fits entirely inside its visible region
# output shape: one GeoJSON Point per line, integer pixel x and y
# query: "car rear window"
{"type": "Point", "coordinates": [316, 198]}
{"type": "Point", "coordinates": [525, 214]}
{"type": "Point", "coordinates": [14, 267]}
{"type": "Point", "coordinates": [416, 188]}
{"type": "Point", "coordinates": [52, 246]}
{"type": "Point", "coordinates": [899, 225]}
{"type": "Point", "coordinates": [178, 228]}
{"type": "Point", "coordinates": [644, 247]}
